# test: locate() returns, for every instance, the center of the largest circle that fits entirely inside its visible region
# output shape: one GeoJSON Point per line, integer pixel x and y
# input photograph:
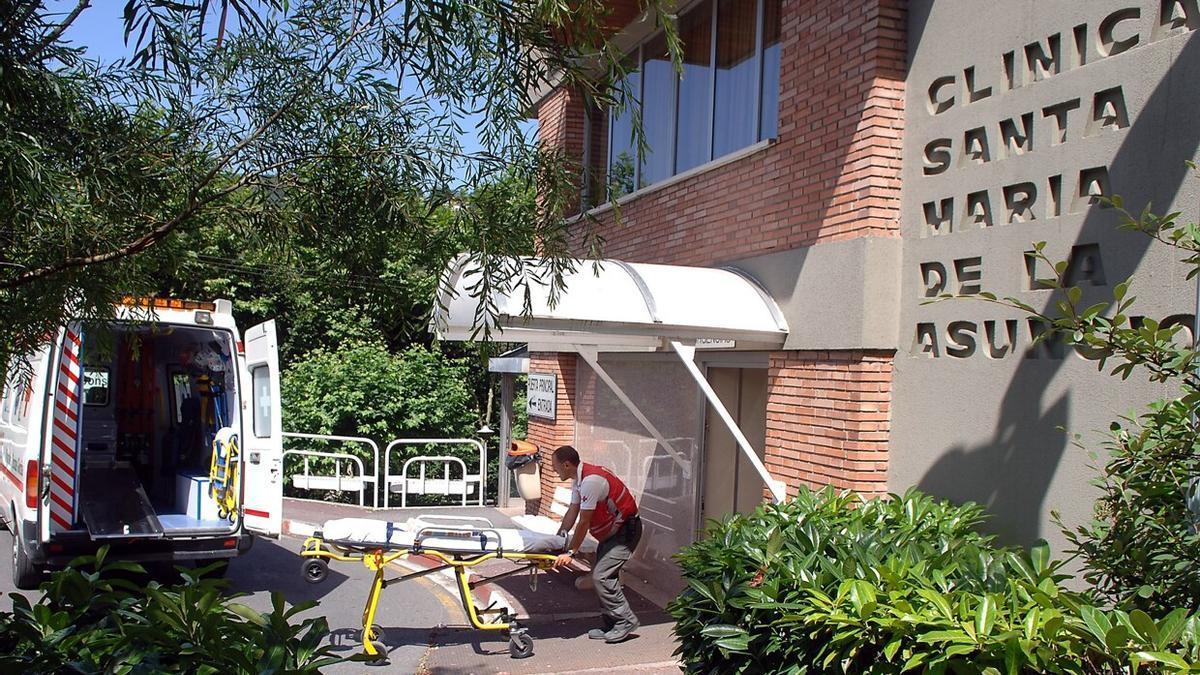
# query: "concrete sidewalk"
{"type": "Point", "coordinates": [557, 614]}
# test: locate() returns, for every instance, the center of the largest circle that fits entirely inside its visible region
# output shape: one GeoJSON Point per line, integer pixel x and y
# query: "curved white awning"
{"type": "Point", "coordinates": [613, 304]}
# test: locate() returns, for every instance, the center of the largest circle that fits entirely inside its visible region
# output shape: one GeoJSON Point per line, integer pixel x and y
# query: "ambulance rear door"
{"type": "Point", "coordinates": [262, 447]}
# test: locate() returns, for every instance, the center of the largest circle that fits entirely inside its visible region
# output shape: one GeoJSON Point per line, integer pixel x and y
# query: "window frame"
{"type": "Point", "coordinates": [254, 398]}
{"type": "Point", "coordinates": [107, 386]}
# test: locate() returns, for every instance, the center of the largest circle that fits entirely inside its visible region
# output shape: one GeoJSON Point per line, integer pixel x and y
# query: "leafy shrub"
{"type": "Point", "coordinates": [92, 618]}
{"type": "Point", "coordinates": [1142, 550]}
{"type": "Point", "coordinates": [827, 582]}
{"type": "Point", "coordinates": [361, 389]}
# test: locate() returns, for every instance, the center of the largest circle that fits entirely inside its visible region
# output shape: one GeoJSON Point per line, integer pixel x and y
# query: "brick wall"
{"type": "Point", "coordinates": [834, 172]}
{"type": "Point", "coordinates": [828, 419]}
{"type": "Point", "coordinates": [547, 434]}
{"type": "Point", "coordinates": [560, 122]}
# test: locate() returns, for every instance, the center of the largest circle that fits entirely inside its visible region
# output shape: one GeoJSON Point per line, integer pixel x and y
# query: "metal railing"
{"type": "Point", "coordinates": [372, 478]}
{"type": "Point", "coordinates": [423, 481]}
{"type": "Point", "coordinates": [337, 479]}
{"type": "Point", "coordinates": [481, 479]}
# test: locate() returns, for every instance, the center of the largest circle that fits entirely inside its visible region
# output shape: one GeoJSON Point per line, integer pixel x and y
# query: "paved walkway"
{"type": "Point", "coordinates": [558, 615]}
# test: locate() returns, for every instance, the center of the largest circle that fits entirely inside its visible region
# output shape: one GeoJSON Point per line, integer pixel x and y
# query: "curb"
{"type": "Point", "coordinates": [483, 595]}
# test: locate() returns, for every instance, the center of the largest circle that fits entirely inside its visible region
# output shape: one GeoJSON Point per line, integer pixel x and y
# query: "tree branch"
{"type": "Point", "coordinates": [194, 204]}
{"type": "Point", "coordinates": [53, 35]}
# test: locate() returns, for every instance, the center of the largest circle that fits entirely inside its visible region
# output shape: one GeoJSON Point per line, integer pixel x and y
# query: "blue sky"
{"type": "Point", "coordinates": [101, 30]}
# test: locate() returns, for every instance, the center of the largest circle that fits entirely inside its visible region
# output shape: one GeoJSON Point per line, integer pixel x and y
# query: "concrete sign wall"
{"type": "Point", "coordinates": [1018, 114]}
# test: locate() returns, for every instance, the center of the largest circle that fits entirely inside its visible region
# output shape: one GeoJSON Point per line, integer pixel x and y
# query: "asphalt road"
{"type": "Point", "coordinates": [408, 612]}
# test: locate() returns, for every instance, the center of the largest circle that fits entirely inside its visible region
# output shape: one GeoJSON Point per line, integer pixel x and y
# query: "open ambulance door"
{"type": "Point", "coordinates": [262, 448]}
{"type": "Point", "coordinates": [58, 500]}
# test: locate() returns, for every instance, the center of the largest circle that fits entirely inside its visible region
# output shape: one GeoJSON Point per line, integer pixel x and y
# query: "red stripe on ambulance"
{"type": "Point", "coordinates": [62, 524]}
{"type": "Point", "coordinates": [12, 478]}
{"type": "Point", "coordinates": [64, 434]}
{"type": "Point", "coordinates": [66, 411]}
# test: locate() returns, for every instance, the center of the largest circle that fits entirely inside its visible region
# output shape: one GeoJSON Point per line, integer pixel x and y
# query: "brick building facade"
{"type": "Point", "coordinates": [894, 151]}
{"type": "Point", "coordinates": [832, 173]}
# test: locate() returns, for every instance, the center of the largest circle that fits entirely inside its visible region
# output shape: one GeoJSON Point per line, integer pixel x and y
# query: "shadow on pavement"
{"type": "Point", "coordinates": [274, 566]}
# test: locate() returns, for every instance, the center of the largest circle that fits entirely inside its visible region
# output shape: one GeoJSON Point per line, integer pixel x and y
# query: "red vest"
{"type": "Point", "coordinates": [616, 508]}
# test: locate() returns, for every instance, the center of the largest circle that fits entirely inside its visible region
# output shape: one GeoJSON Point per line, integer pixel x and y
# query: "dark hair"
{"type": "Point", "coordinates": [566, 453]}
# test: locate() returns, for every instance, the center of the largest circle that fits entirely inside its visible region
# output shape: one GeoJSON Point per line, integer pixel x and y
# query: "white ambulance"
{"type": "Point", "coordinates": [111, 440]}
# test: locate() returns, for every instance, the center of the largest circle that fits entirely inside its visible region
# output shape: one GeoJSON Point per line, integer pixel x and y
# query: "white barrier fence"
{"type": "Point", "coordinates": [338, 482]}
{"type": "Point", "coordinates": [326, 482]}
{"type": "Point", "coordinates": [415, 478]}
{"type": "Point", "coordinates": [442, 486]}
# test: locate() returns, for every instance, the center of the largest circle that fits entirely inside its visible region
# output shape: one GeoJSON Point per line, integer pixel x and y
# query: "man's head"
{"type": "Point", "coordinates": [566, 462]}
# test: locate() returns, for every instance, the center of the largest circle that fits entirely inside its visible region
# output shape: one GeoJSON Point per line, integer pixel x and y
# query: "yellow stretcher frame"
{"type": "Point", "coordinates": [316, 553]}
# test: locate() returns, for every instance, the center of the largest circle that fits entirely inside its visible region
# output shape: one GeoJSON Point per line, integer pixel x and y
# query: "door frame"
{"type": "Point", "coordinates": [704, 361]}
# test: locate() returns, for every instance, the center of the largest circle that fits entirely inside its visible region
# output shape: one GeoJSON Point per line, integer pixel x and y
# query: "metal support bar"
{"type": "Point", "coordinates": [687, 354]}
{"type": "Point", "coordinates": [507, 391]}
{"type": "Point", "coordinates": [590, 355]}
{"type": "Point", "coordinates": [414, 575]}
{"type": "Point", "coordinates": [519, 570]}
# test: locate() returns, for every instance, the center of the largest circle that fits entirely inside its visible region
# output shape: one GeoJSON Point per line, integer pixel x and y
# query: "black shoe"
{"type": "Point", "coordinates": [620, 633]}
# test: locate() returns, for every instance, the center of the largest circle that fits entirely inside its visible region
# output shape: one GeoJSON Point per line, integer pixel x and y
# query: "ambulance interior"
{"type": "Point", "coordinates": [153, 399]}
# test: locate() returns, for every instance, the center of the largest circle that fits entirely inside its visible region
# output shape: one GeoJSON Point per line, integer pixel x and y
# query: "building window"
{"type": "Point", "coordinates": [769, 116]}
{"type": "Point", "coordinates": [95, 386]}
{"type": "Point", "coordinates": [264, 406]}
{"type": "Point", "coordinates": [658, 111]}
{"type": "Point", "coordinates": [622, 169]}
{"type": "Point", "coordinates": [737, 60]}
{"type": "Point", "coordinates": [693, 130]}
{"type": "Point", "coordinates": [727, 98]}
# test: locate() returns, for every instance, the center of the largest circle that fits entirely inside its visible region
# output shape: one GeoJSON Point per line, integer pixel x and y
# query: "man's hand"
{"type": "Point", "coordinates": [562, 560]}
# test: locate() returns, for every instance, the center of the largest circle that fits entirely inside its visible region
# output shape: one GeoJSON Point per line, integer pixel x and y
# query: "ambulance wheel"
{"type": "Point", "coordinates": [381, 656]}
{"type": "Point", "coordinates": [520, 646]}
{"type": "Point", "coordinates": [315, 570]}
{"type": "Point", "coordinates": [26, 575]}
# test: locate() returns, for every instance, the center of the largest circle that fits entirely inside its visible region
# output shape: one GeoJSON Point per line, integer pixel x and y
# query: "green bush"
{"type": "Point", "coordinates": [93, 618]}
{"type": "Point", "coordinates": [827, 582]}
{"type": "Point", "coordinates": [1142, 549]}
{"type": "Point", "coordinates": [361, 389]}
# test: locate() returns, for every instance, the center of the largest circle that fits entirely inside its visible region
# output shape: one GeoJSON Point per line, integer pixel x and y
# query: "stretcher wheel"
{"type": "Point", "coordinates": [520, 646]}
{"type": "Point", "coordinates": [373, 634]}
{"type": "Point", "coordinates": [381, 657]}
{"type": "Point", "coordinates": [314, 570]}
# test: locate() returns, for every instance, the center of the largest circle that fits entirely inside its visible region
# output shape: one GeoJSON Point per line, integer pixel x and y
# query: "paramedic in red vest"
{"type": "Point", "coordinates": [606, 508]}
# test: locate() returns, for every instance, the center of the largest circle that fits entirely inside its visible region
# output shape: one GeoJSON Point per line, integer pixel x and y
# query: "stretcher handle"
{"type": "Point", "coordinates": [431, 520]}
{"type": "Point", "coordinates": [460, 533]}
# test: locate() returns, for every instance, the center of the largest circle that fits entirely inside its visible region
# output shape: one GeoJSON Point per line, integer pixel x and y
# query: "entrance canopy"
{"type": "Point", "coordinates": [615, 305]}
{"type": "Point", "coordinates": [609, 305]}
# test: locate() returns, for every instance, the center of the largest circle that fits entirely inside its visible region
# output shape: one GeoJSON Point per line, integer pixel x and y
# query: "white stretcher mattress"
{"type": "Point", "coordinates": [475, 539]}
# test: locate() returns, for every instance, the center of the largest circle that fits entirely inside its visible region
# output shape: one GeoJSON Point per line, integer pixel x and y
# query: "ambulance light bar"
{"type": "Point", "coordinates": [168, 303]}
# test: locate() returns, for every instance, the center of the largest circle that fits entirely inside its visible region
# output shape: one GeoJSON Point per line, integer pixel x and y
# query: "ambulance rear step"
{"type": "Point", "coordinates": [122, 510]}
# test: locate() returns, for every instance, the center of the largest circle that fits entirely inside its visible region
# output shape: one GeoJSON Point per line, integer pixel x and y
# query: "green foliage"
{"type": "Point", "coordinates": [829, 583]}
{"type": "Point", "coordinates": [327, 133]}
{"type": "Point", "coordinates": [360, 389]}
{"type": "Point", "coordinates": [1142, 550]}
{"type": "Point", "coordinates": [94, 618]}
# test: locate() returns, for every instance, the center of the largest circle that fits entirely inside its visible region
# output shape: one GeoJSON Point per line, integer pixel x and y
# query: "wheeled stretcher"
{"type": "Point", "coordinates": [459, 543]}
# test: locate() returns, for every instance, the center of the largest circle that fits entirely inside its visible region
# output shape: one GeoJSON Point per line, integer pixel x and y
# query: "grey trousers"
{"type": "Point", "coordinates": [611, 556]}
